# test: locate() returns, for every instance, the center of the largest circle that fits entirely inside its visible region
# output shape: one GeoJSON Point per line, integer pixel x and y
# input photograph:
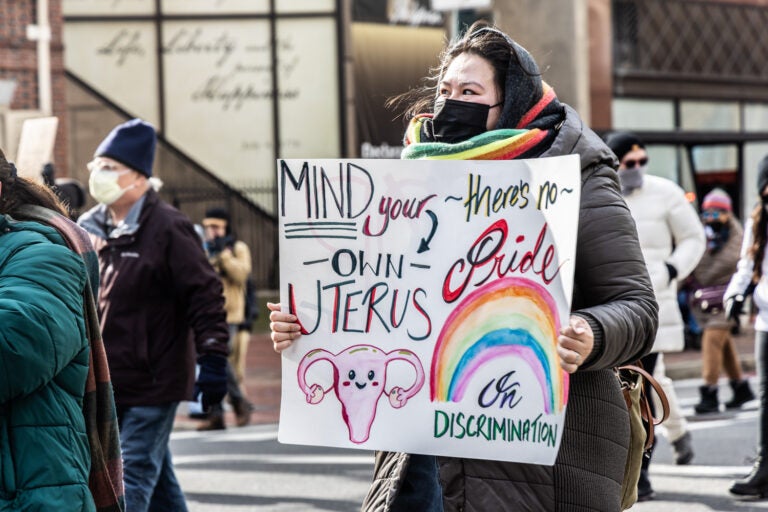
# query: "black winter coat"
{"type": "Point", "coordinates": [613, 292]}
{"type": "Point", "coordinates": [159, 301]}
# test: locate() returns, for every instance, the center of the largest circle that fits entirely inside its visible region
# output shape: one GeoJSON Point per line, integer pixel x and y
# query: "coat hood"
{"type": "Point", "coordinates": [574, 137]}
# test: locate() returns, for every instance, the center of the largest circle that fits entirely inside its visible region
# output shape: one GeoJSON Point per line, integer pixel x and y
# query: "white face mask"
{"type": "Point", "coordinates": [631, 178]}
{"type": "Point", "coordinates": [103, 186]}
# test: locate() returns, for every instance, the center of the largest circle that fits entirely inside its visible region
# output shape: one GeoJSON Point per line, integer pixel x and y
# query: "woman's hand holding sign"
{"type": "Point", "coordinates": [284, 327]}
{"type": "Point", "coordinates": [575, 343]}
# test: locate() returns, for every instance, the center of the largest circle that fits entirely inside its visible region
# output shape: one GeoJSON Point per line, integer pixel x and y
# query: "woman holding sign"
{"type": "Point", "coordinates": [489, 102]}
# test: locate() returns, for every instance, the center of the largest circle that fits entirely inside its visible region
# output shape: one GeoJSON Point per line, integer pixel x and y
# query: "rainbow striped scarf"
{"type": "Point", "coordinates": [501, 144]}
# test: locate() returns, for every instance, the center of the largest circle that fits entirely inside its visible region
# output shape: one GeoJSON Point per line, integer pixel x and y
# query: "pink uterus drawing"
{"type": "Point", "coordinates": [359, 380]}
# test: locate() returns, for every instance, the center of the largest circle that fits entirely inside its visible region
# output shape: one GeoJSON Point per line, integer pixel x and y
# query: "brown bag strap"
{"type": "Point", "coordinates": [645, 407]}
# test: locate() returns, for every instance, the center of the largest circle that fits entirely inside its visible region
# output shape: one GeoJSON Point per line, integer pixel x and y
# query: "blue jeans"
{"type": "Point", "coordinates": [421, 489]}
{"type": "Point", "coordinates": [150, 483]}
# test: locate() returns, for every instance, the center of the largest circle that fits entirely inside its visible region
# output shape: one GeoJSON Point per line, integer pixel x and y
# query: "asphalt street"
{"type": "Point", "coordinates": [247, 469]}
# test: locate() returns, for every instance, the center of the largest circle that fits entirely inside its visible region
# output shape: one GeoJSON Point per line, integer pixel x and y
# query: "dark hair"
{"type": "Point", "coordinates": [757, 250]}
{"type": "Point", "coordinates": [18, 191]}
{"type": "Point", "coordinates": [480, 39]}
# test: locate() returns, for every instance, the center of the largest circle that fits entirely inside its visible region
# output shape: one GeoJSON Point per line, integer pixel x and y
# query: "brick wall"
{"type": "Point", "coordinates": [18, 60]}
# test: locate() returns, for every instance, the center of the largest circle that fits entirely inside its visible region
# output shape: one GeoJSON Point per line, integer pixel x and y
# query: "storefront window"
{"type": "Point", "coordinates": [663, 161]}
{"type": "Point", "coordinates": [756, 117]}
{"type": "Point", "coordinates": [643, 115]}
{"type": "Point", "coordinates": [710, 116]}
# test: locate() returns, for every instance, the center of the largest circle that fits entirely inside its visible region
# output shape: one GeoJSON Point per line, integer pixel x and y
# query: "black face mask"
{"type": "Point", "coordinates": [456, 121]}
{"type": "Point", "coordinates": [716, 226]}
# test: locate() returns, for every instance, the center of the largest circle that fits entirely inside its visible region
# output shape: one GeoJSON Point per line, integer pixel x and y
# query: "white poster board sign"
{"type": "Point", "coordinates": [38, 137]}
{"type": "Point", "coordinates": [431, 295]}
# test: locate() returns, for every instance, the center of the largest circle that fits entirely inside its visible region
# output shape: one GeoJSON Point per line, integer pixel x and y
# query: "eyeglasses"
{"type": "Point", "coordinates": [93, 166]}
{"type": "Point", "coordinates": [630, 164]}
{"type": "Point", "coordinates": [711, 214]}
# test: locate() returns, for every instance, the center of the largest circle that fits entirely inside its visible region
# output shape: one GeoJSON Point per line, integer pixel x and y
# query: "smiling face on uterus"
{"type": "Point", "coordinates": [359, 381]}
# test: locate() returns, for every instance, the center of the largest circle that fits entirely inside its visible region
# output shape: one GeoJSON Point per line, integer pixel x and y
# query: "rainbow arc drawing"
{"type": "Point", "coordinates": [509, 317]}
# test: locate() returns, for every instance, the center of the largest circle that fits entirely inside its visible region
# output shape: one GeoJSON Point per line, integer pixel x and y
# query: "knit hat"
{"type": "Point", "coordinates": [132, 144]}
{"type": "Point", "coordinates": [219, 214]}
{"type": "Point", "coordinates": [717, 199]}
{"type": "Point", "coordinates": [622, 143]}
{"type": "Point", "coordinates": [762, 175]}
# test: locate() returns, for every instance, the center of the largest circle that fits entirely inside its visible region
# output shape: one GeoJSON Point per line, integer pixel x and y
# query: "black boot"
{"type": "Point", "coordinates": [709, 402]}
{"type": "Point", "coordinates": [682, 449]}
{"type": "Point", "coordinates": [742, 394]}
{"type": "Point", "coordinates": [754, 485]}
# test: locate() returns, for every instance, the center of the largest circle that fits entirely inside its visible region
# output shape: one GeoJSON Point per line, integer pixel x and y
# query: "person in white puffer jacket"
{"type": "Point", "coordinates": [672, 240]}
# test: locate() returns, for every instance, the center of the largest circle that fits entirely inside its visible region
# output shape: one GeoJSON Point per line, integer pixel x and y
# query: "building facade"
{"type": "Point", "coordinates": [234, 85]}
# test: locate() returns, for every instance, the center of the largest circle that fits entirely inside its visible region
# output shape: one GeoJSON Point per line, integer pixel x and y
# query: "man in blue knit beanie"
{"type": "Point", "coordinates": [161, 310]}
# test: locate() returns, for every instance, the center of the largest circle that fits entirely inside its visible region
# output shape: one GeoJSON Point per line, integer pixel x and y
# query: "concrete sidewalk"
{"type": "Point", "coordinates": [262, 381]}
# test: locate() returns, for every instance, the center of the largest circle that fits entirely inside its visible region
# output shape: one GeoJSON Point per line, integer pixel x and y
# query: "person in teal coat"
{"type": "Point", "coordinates": [45, 452]}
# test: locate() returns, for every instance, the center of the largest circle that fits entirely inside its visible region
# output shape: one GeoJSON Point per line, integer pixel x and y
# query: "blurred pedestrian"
{"type": "Point", "coordinates": [231, 259]}
{"type": "Point", "coordinates": [490, 103]}
{"type": "Point", "coordinates": [58, 428]}
{"type": "Point", "coordinates": [69, 190]}
{"type": "Point", "coordinates": [750, 277]}
{"type": "Point", "coordinates": [72, 194]}
{"type": "Point", "coordinates": [244, 330]}
{"type": "Point", "coordinates": [160, 304]}
{"type": "Point", "coordinates": [710, 279]}
{"type": "Point", "coordinates": [672, 240]}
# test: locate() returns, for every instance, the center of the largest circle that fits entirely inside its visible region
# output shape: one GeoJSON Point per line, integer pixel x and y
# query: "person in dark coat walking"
{"type": "Point", "coordinates": [161, 310]}
{"type": "Point", "coordinates": [489, 89]}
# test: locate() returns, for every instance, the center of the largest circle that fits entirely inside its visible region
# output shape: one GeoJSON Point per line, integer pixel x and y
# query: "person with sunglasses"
{"type": "Point", "coordinates": [708, 283]}
{"type": "Point", "coordinates": [751, 277]}
{"type": "Point", "coordinates": [489, 102]}
{"type": "Point", "coordinates": [672, 240]}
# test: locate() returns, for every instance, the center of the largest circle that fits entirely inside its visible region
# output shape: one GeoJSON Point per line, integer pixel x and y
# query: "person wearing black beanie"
{"type": "Point", "coordinates": [633, 158]}
{"type": "Point", "coordinates": [231, 259]}
{"type": "Point", "coordinates": [749, 279]}
{"type": "Point", "coordinates": [673, 242]}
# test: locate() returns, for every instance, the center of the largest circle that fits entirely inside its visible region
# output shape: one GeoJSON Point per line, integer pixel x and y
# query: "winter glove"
{"type": "Point", "coordinates": [218, 244]}
{"type": "Point", "coordinates": [733, 308]}
{"type": "Point", "coordinates": [211, 379]}
{"type": "Point", "coordinates": [672, 272]}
